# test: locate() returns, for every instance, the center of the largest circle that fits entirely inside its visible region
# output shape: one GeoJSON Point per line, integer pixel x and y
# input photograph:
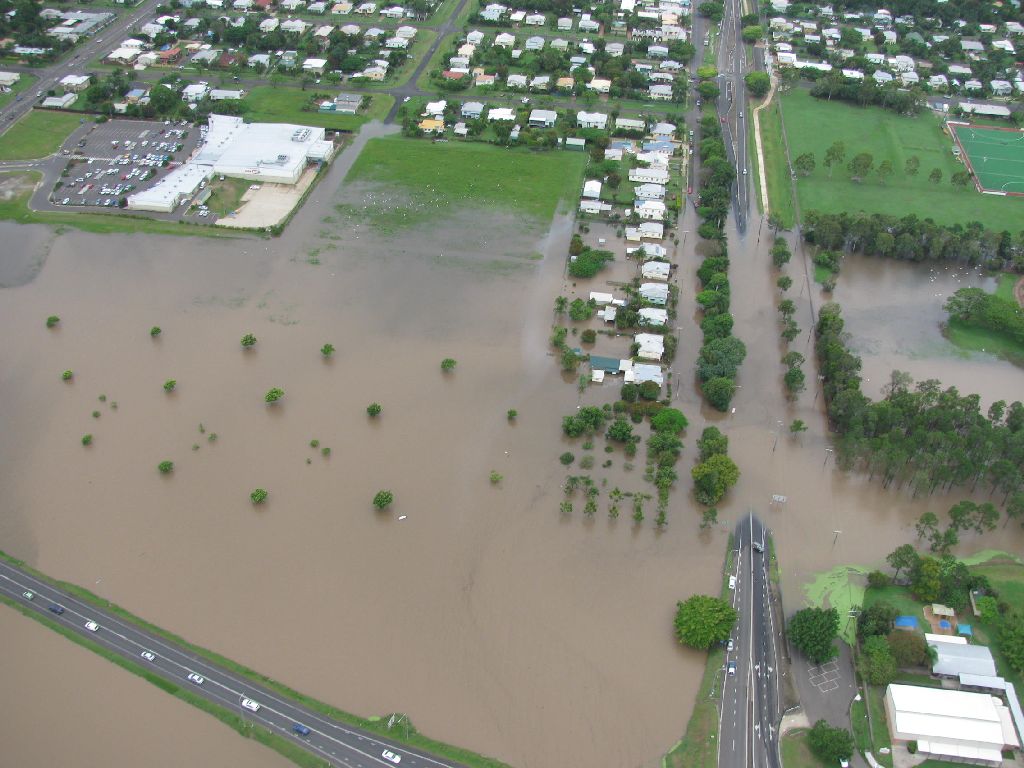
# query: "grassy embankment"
{"type": "Point", "coordinates": [440, 178]}
{"type": "Point", "coordinates": [375, 724]}
{"type": "Point", "coordinates": [780, 198]}
{"type": "Point", "coordinates": [15, 208]}
{"type": "Point", "coordinates": [699, 747]}
{"type": "Point", "coordinates": [812, 125]}
{"type": "Point", "coordinates": [975, 339]}
{"type": "Point", "coordinates": [38, 134]}
{"type": "Point", "coordinates": [795, 751]}
{"type": "Point", "coordinates": [268, 104]}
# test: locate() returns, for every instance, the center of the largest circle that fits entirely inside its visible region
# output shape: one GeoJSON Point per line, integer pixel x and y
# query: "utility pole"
{"type": "Point", "coordinates": [835, 538]}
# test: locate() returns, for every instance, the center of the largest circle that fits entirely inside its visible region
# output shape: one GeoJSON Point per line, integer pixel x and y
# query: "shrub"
{"type": "Point", "coordinates": [669, 420]}
{"type": "Point", "coordinates": [649, 391]}
{"type": "Point", "coordinates": [448, 364]}
{"type": "Point", "coordinates": [495, 477]}
{"type": "Point", "coordinates": [169, 385]}
{"type": "Point", "coordinates": [248, 340]}
{"type": "Point", "coordinates": [155, 331]}
{"type": "Point", "coordinates": [629, 392]}
{"type": "Point", "coordinates": [67, 375]}
{"type": "Point", "coordinates": [165, 467]}
{"type": "Point", "coordinates": [95, 414]}
{"type": "Point", "coordinates": [327, 350]}
{"type": "Point", "coordinates": [589, 336]}
{"type": "Point", "coordinates": [258, 496]}
{"type": "Point", "coordinates": [325, 451]}
{"type": "Point", "coordinates": [719, 391]}
{"type": "Point", "coordinates": [51, 321]}
{"type": "Point", "coordinates": [877, 579]}
{"type": "Point", "coordinates": [383, 499]}
{"type": "Point", "coordinates": [589, 262]}
{"type": "Point", "coordinates": [620, 431]}
{"type": "Point", "coordinates": [373, 409]}
{"type": "Point", "coordinates": [86, 439]}
{"type": "Point", "coordinates": [314, 443]}
{"type": "Point", "coordinates": [580, 310]}
{"type": "Point", "coordinates": [273, 395]}
{"type": "Point", "coordinates": [511, 414]}
{"type": "Point", "coordinates": [567, 458]}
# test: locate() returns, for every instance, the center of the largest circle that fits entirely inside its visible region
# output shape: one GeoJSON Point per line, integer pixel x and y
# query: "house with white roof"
{"type": "Point", "coordinates": [597, 120]}
{"type": "Point", "coordinates": [505, 40]}
{"type": "Point", "coordinates": [501, 114]}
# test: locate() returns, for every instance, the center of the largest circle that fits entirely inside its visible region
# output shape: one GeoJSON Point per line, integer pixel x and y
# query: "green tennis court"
{"type": "Point", "coordinates": [995, 155]}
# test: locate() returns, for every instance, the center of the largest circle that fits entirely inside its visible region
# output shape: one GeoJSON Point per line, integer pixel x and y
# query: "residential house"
{"type": "Point", "coordinates": [316, 66]}
{"type": "Point", "coordinates": [505, 40]}
{"type": "Point", "coordinates": [269, 25]}
{"type": "Point", "coordinates": [535, 43]}
{"type": "Point", "coordinates": [472, 110]}
{"type": "Point", "coordinates": [600, 85]}
{"type": "Point", "coordinates": [503, 114]}
{"type": "Point", "coordinates": [650, 192]}
{"type": "Point", "coordinates": [656, 270]}
{"type": "Point", "coordinates": [296, 26]}
{"type": "Point", "coordinates": [597, 120]}
{"type": "Point", "coordinates": [651, 346]}
{"type": "Point", "coordinates": [1001, 88]}
{"type": "Point", "coordinates": [541, 83]}
{"type": "Point", "coordinates": [73, 83]}
{"type": "Point", "coordinates": [475, 37]}
{"type": "Point", "coordinates": [649, 175]}
{"type": "Point", "coordinates": [660, 92]}
{"type": "Point", "coordinates": [534, 20]}
{"type": "Point", "coordinates": [629, 124]}
{"type": "Point", "coordinates": [483, 80]}
{"type": "Point", "coordinates": [195, 92]}
{"type": "Point", "coordinates": [516, 81]}
{"type": "Point", "coordinates": [655, 293]}
{"type": "Point", "coordinates": [615, 50]}
{"type": "Point", "coordinates": [653, 316]}
{"type": "Point", "coordinates": [431, 125]}
{"type": "Point", "coordinates": [592, 189]}
{"type": "Point", "coordinates": [649, 210]}
{"type": "Point", "coordinates": [220, 94]}
{"type": "Point", "coordinates": [259, 60]}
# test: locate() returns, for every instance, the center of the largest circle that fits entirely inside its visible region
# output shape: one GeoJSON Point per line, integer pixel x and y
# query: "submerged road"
{"type": "Point", "coordinates": [751, 705]}
{"type": "Point", "coordinates": [329, 740]}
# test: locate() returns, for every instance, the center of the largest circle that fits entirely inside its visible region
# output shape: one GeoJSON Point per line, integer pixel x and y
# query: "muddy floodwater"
{"type": "Point", "coordinates": [64, 705]}
{"type": "Point", "coordinates": [493, 621]}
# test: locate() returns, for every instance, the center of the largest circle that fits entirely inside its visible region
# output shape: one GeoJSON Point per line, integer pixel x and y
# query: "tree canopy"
{"type": "Point", "coordinates": [813, 631]}
{"type": "Point", "coordinates": [702, 620]}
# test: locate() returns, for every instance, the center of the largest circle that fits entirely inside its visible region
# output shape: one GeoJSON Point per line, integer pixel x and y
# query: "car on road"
{"type": "Point", "coordinates": [148, 655]}
{"type": "Point", "coordinates": [732, 667]}
{"type": "Point", "coordinates": [28, 595]}
{"type": "Point", "coordinates": [300, 729]}
{"type": "Point", "coordinates": [194, 678]}
{"type": "Point", "coordinates": [92, 626]}
{"type": "Point", "coordinates": [741, 115]}
{"type": "Point", "coordinates": [758, 546]}
{"type": "Point", "coordinates": [58, 609]}
{"type": "Point", "coordinates": [732, 582]}
{"type": "Point", "coordinates": [251, 705]}
{"type": "Point", "coordinates": [844, 763]}
{"type": "Point", "coordinates": [387, 754]}
{"type": "Point", "coordinates": [730, 646]}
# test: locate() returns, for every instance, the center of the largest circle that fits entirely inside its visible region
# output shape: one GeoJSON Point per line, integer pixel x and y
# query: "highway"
{"type": "Point", "coordinates": [335, 743]}
{"type": "Point", "coordinates": [751, 705]}
{"type": "Point", "coordinates": [732, 66]}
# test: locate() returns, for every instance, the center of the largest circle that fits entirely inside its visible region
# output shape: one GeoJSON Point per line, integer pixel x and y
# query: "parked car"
{"type": "Point", "coordinates": [732, 582]}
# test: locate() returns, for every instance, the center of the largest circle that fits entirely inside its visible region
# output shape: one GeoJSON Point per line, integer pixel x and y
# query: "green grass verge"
{"type": "Point", "coordinates": [822, 274]}
{"type": "Point", "coordinates": [268, 104]}
{"type": "Point", "coordinates": [796, 753]}
{"type": "Point", "coordinates": [812, 125]}
{"type": "Point", "coordinates": [780, 193]}
{"type": "Point", "coordinates": [377, 725]}
{"type": "Point", "coordinates": [1004, 289]}
{"type": "Point", "coordinates": [755, 164]}
{"type": "Point", "coordinates": [279, 744]}
{"type": "Point", "coordinates": [879, 725]}
{"type": "Point", "coordinates": [859, 726]}
{"type": "Point", "coordinates": [975, 339]}
{"type": "Point", "coordinates": [38, 134]}
{"type": "Point", "coordinates": [1007, 577]}
{"type": "Point", "coordinates": [439, 177]}
{"type": "Point", "coordinates": [16, 209]}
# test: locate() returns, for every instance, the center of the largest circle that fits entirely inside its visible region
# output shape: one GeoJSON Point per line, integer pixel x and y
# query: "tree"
{"type": "Point", "coordinates": [702, 621]}
{"type": "Point", "coordinates": [784, 283]}
{"type": "Point", "coordinates": [912, 166]}
{"type": "Point", "coordinates": [709, 518]}
{"type": "Point", "coordinates": [812, 632]}
{"type": "Point", "coordinates": [721, 357]}
{"type": "Point", "coordinates": [1011, 642]}
{"type": "Point", "coordinates": [373, 409]}
{"type": "Point", "coordinates": [258, 496]}
{"type": "Point", "coordinates": [163, 99]}
{"type": "Point", "coordinates": [876, 619]}
{"type": "Point", "coordinates": [448, 364]}
{"type": "Point", "coordinates": [935, 176]}
{"type": "Point", "coordinates": [797, 427]}
{"type": "Point", "coordinates": [51, 321]}
{"type": "Point", "coordinates": [669, 420]}
{"type": "Point", "coordinates": [805, 163]}
{"type": "Point", "coordinates": [711, 10]}
{"type": "Point", "coordinates": [834, 156]}
{"type": "Point", "coordinates": [751, 34]}
{"type": "Point", "coordinates": [383, 499]}
{"type": "Point", "coordinates": [758, 83]}
{"type": "Point", "coordinates": [511, 414]}
{"type": "Point", "coordinates": [86, 439]}
{"type": "Point", "coordinates": [860, 166]}
{"type": "Point", "coordinates": [884, 170]}
{"type": "Point", "coordinates": [248, 340]}
{"type": "Point", "coordinates": [719, 392]}
{"type": "Point", "coordinates": [68, 375]}
{"type": "Point", "coordinates": [794, 380]}
{"type": "Point", "coordinates": [878, 663]}
{"type": "Point", "coordinates": [327, 350]}
{"type": "Point", "coordinates": [903, 558]}
{"type": "Point", "coordinates": [960, 178]}
{"type": "Point", "coordinates": [926, 525]}
{"type": "Point", "coordinates": [165, 467]}
{"type": "Point", "coordinates": [712, 443]}
{"type": "Point", "coordinates": [909, 649]}
{"type": "Point", "coordinates": [713, 478]}
{"type": "Point", "coordinates": [155, 331]}
{"type": "Point", "coordinates": [926, 580]}
{"type": "Point", "coordinates": [273, 395]}
{"type": "Point", "coordinates": [830, 744]}
{"type": "Point", "coordinates": [169, 385]}
{"type": "Point", "coordinates": [620, 431]}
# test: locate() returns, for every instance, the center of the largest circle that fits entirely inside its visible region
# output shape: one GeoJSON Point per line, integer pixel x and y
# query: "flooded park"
{"type": "Point", "coordinates": [477, 609]}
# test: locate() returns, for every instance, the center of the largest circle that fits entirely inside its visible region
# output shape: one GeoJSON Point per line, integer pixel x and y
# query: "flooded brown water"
{"type": "Point", "coordinates": [489, 618]}
{"type": "Point", "coordinates": [64, 705]}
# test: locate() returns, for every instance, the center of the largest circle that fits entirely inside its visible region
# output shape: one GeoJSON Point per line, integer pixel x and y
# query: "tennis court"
{"type": "Point", "coordinates": [994, 155]}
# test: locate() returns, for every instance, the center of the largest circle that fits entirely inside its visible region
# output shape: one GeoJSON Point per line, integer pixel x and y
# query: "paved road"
{"type": "Point", "coordinates": [751, 703]}
{"type": "Point", "coordinates": [87, 51]}
{"type": "Point", "coordinates": [329, 740]}
{"type": "Point", "coordinates": [732, 66]}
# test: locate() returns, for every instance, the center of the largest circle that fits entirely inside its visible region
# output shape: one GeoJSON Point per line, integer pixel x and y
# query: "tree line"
{"type": "Point", "coordinates": [910, 238]}
{"type": "Point", "coordinates": [862, 164]}
{"type": "Point", "coordinates": [973, 306]}
{"type": "Point", "coordinates": [924, 436]}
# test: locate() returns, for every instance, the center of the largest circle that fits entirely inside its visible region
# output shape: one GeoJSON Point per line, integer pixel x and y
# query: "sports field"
{"type": "Point", "coordinates": [996, 155]}
{"type": "Point", "coordinates": [812, 125]}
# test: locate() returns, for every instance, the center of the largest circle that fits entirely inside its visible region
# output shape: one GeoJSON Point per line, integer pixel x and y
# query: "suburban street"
{"type": "Point", "coordinates": [335, 743]}
{"type": "Point", "coordinates": [751, 709]}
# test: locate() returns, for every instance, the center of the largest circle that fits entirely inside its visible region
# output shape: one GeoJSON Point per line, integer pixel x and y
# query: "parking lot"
{"type": "Point", "coordinates": [109, 161]}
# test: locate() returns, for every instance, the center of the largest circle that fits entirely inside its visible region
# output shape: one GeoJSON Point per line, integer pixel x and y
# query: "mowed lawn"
{"type": "Point", "coordinates": [812, 125]}
{"type": "Point", "coordinates": [454, 174]}
{"type": "Point", "coordinates": [268, 104]}
{"type": "Point", "coordinates": [796, 753]}
{"type": "Point", "coordinates": [38, 134]}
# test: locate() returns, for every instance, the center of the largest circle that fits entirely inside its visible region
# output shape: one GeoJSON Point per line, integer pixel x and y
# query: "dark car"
{"type": "Point", "coordinates": [58, 609]}
{"type": "Point", "coordinates": [300, 729]}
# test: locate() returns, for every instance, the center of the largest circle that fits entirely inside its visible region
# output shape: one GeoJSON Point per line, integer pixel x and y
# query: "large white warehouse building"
{"type": "Point", "coordinates": [264, 152]}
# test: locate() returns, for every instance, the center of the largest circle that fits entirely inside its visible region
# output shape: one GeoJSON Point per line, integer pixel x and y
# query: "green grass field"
{"type": "Point", "coordinates": [996, 156]}
{"type": "Point", "coordinates": [974, 339]}
{"type": "Point", "coordinates": [780, 198]}
{"type": "Point", "coordinates": [38, 134]}
{"type": "Point", "coordinates": [481, 175]}
{"type": "Point", "coordinates": [795, 751]}
{"type": "Point", "coordinates": [1004, 289]}
{"type": "Point", "coordinates": [268, 104]}
{"type": "Point", "coordinates": [225, 195]}
{"type": "Point", "coordinates": [812, 125]}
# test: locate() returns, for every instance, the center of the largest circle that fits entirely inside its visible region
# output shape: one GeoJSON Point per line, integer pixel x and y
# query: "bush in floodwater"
{"type": "Point", "coordinates": [155, 331]}
{"type": "Point", "coordinates": [67, 375]}
{"type": "Point", "coordinates": [248, 340]}
{"type": "Point", "coordinates": [327, 350]}
{"type": "Point", "coordinates": [273, 395]}
{"type": "Point", "coordinates": [495, 477]}
{"type": "Point", "coordinates": [567, 458]}
{"type": "Point", "coordinates": [165, 467]}
{"type": "Point", "coordinates": [448, 364]}
{"type": "Point", "coordinates": [373, 409]}
{"type": "Point", "coordinates": [86, 439]}
{"type": "Point", "coordinates": [169, 385]}
{"type": "Point", "coordinates": [383, 499]}
{"type": "Point", "coordinates": [258, 496]}
{"type": "Point", "coordinates": [51, 321]}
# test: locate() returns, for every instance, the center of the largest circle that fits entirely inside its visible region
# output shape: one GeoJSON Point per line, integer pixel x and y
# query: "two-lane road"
{"type": "Point", "coordinates": [751, 711]}
{"type": "Point", "coordinates": [334, 742]}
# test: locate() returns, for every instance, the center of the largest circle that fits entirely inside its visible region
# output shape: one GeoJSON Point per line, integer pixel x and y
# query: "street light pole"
{"type": "Point", "coordinates": [828, 452]}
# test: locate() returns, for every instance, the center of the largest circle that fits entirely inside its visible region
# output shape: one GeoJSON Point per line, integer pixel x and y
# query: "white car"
{"type": "Point", "coordinates": [251, 705]}
{"type": "Point", "coordinates": [197, 679]}
{"type": "Point", "coordinates": [844, 763]}
{"type": "Point", "coordinates": [732, 582]}
{"type": "Point", "coordinates": [387, 754]}
{"type": "Point", "coordinates": [730, 646]}
{"type": "Point", "coordinates": [28, 595]}
{"type": "Point", "coordinates": [92, 626]}
{"type": "Point", "coordinates": [148, 655]}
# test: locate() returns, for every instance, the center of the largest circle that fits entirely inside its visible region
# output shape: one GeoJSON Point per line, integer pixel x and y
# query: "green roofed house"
{"type": "Point", "coordinates": [606, 364]}
{"type": "Point", "coordinates": [577, 145]}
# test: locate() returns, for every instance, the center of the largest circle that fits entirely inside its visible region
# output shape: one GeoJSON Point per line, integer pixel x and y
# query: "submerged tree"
{"type": "Point", "coordinates": [383, 499]}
